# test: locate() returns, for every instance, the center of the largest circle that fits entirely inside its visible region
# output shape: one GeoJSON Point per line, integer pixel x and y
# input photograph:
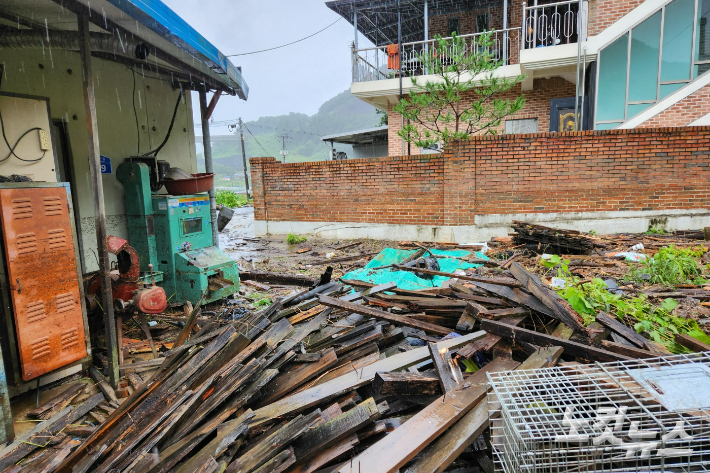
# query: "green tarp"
{"type": "Point", "coordinates": [375, 273]}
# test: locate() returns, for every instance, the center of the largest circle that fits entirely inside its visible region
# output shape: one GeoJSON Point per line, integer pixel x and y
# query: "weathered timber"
{"type": "Point", "coordinates": [307, 357]}
{"type": "Point", "coordinates": [482, 299]}
{"type": "Point", "coordinates": [104, 387]}
{"type": "Point", "coordinates": [307, 314]}
{"type": "Point", "coordinates": [403, 383]}
{"type": "Point", "coordinates": [498, 281]}
{"type": "Point", "coordinates": [561, 309]}
{"type": "Point", "coordinates": [191, 314]}
{"type": "Point", "coordinates": [516, 296]}
{"type": "Point", "coordinates": [446, 368]}
{"type": "Point", "coordinates": [276, 278]}
{"type": "Point", "coordinates": [689, 342]}
{"type": "Point", "coordinates": [390, 338]}
{"type": "Point", "coordinates": [342, 259]}
{"type": "Point", "coordinates": [293, 378]}
{"type": "Point", "coordinates": [279, 463]}
{"type": "Point", "coordinates": [572, 348]}
{"type": "Point", "coordinates": [327, 455]}
{"type": "Point", "coordinates": [351, 380]}
{"type": "Point", "coordinates": [488, 342]}
{"type": "Point", "coordinates": [449, 446]}
{"type": "Point", "coordinates": [378, 314]}
{"type": "Point", "coordinates": [368, 292]}
{"type": "Point", "coordinates": [398, 447]}
{"type": "Point", "coordinates": [337, 429]}
{"type": "Point", "coordinates": [509, 312]}
{"type": "Point", "coordinates": [273, 444]}
{"type": "Point", "coordinates": [631, 352]}
{"type": "Point", "coordinates": [613, 324]}
{"type": "Point", "coordinates": [57, 403]}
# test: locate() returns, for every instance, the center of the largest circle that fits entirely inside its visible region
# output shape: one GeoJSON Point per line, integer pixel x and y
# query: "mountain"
{"type": "Point", "coordinates": [342, 113]}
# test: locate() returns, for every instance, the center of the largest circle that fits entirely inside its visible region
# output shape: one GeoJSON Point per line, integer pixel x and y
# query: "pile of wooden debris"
{"type": "Point", "coordinates": [344, 377]}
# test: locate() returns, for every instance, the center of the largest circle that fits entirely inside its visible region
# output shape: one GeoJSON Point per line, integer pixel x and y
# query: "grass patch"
{"type": "Point", "coordinates": [260, 299]}
{"type": "Point", "coordinates": [231, 199]}
{"type": "Point", "coordinates": [295, 239]}
{"type": "Point", "coordinates": [671, 266]}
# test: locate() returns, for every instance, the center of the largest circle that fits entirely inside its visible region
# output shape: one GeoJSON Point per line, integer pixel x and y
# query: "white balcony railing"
{"type": "Point", "coordinates": [553, 24]}
{"type": "Point", "coordinates": [371, 64]}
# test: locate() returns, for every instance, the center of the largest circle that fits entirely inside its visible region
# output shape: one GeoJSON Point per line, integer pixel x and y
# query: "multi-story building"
{"type": "Point", "coordinates": [629, 63]}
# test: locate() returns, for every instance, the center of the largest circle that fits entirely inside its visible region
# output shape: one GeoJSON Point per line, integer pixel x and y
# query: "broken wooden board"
{"type": "Point", "coordinates": [446, 368]}
{"type": "Point", "coordinates": [560, 307]}
{"type": "Point", "coordinates": [613, 324]}
{"type": "Point", "coordinates": [378, 314]}
{"type": "Point", "coordinates": [403, 383]}
{"type": "Point", "coordinates": [631, 352]}
{"type": "Point", "coordinates": [352, 380]}
{"type": "Point", "coordinates": [499, 281]}
{"type": "Point", "coordinates": [398, 447]}
{"type": "Point", "coordinates": [452, 444]}
{"type": "Point", "coordinates": [516, 296]}
{"type": "Point", "coordinates": [571, 348]}
{"type": "Point", "coordinates": [691, 343]}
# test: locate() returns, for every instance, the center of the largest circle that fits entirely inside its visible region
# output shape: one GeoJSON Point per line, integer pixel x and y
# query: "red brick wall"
{"type": "Point", "coordinates": [682, 113]}
{"type": "Point", "coordinates": [617, 170]}
{"type": "Point", "coordinates": [603, 13]}
{"type": "Point", "coordinates": [537, 105]}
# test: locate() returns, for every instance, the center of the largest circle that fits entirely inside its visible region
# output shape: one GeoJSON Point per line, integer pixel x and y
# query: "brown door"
{"type": "Point", "coordinates": [43, 279]}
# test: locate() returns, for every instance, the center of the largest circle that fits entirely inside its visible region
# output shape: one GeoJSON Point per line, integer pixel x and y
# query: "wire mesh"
{"type": "Point", "coordinates": [603, 417]}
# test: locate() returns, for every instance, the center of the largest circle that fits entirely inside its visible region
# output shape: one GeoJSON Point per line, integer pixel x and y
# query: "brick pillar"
{"type": "Point", "coordinates": [257, 186]}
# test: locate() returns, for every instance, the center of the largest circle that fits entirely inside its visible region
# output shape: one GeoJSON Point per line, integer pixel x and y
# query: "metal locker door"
{"type": "Point", "coordinates": [43, 280]}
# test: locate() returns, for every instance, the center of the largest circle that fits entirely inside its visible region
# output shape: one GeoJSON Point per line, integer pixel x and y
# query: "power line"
{"type": "Point", "coordinates": [257, 141]}
{"type": "Point", "coordinates": [287, 44]}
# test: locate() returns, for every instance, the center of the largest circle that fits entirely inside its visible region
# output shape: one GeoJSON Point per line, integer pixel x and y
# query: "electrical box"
{"type": "Point", "coordinates": [27, 124]}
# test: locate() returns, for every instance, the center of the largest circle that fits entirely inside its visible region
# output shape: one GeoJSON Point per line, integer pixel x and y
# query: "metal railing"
{"type": "Point", "coordinates": [553, 24]}
{"type": "Point", "coordinates": [371, 64]}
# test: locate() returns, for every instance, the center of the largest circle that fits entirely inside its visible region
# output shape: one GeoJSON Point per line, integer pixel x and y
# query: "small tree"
{"type": "Point", "coordinates": [438, 111]}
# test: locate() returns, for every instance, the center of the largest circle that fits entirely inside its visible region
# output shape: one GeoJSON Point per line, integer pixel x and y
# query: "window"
{"type": "Point", "coordinates": [482, 23]}
{"type": "Point", "coordinates": [191, 225]}
{"type": "Point", "coordinates": [524, 125]}
{"type": "Point", "coordinates": [611, 97]}
{"type": "Point", "coordinates": [453, 26]}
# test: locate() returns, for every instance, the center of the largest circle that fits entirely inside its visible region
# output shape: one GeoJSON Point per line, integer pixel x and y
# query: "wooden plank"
{"type": "Point", "coordinates": [273, 444]}
{"type": "Point", "coordinates": [279, 463]}
{"type": "Point", "coordinates": [370, 291]}
{"type": "Point", "coordinates": [689, 342]}
{"type": "Point", "coordinates": [398, 447]}
{"type": "Point", "coordinates": [631, 352]}
{"type": "Point", "coordinates": [499, 281]}
{"type": "Point", "coordinates": [516, 296]}
{"type": "Point", "coordinates": [488, 342]}
{"type": "Point", "coordinates": [509, 312]}
{"type": "Point", "coordinates": [337, 429]}
{"type": "Point", "coordinates": [343, 259]}
{"type": "Point", "coordinates": [57, 403]}
{"type": "Point", "coordinates": [572, 348]}
{"type": "Point", "coordinates": [191, 314]}
{"type": "Point", "coordinates": [356, 283]}
{"type": "Point", "coordinates": [277, 278]}
{"type": "Point", "coordinates": [292, 379]}
{"type": "Point", "coordinates": [452, 444]}
{"type": "Point", "coordinates": [561, 309]}
{"type": "Point", "coordinates": [613, 324]}
{"type": "Point", "coordinates": [327, 455]}
{"type": "Point", "coordinates": [104, 387]}
{"type": "Point", "coordinates": [482, 299]}
{"type": "Point", "coordinates": [351, 380]}
{"type": "Point", "coordinates": [381, 315]}
{"type": "Point", "coordinates": [446, 368]}
{"type": "Point", "coordinates": [307, 314]}
{"type": "Point", "coordinates": [403, 383]}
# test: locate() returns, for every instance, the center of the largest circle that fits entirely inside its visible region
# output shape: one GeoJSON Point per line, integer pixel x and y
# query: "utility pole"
{"type": "Point", "coordinates": [244, 157]}
{"type": "Point", "coordinates": [284, 152]}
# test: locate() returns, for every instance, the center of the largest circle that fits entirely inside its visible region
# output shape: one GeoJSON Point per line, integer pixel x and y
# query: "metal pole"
{"type": "Point", "coordinates": [99, 207]}
{"type": "Point", "coordinates": [400, 56]}
{"type": "Point", "coordinates": [584, 83]}
{"type": "Point", "coordinates": [523, 31]}
{"type": "Point", "coordinates": [505, 32]}
{"type": "Point", "coordinates": [244, 157]}
{"type": "Point", "coordinates": [579, 57]}
{"type": "Point", "coordinates": [355, 24]}
{"type": "Point", "coordinates": [426, 30]}
{"type": "Point", "coordinates": [207, 149]}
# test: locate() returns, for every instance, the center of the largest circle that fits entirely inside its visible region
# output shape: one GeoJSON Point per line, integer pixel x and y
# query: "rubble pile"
{"type": "Point", "coordinates": [351, 375]}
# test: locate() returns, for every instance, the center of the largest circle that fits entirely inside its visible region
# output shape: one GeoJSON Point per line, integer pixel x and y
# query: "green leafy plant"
{"type": "Point", "coordinates": [655, 231]}
{"type": "Point", "coordinates": [670, 266]}
{"type": "Point", "coordinates": [231, 199]}
{"type": "Point", "coordinates": [260, 299]}
{"type": "Point", "coordinates": [464, 99]}
{"type": "Point", "coordinates": [555, 260]}
{"type": "Point", "coordinates": [592, 232]}
{"type": "Point", "coordinates": [295, 239]}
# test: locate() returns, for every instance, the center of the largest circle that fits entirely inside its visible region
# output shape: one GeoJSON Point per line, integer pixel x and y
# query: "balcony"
{"type": "Point", "coordinates": [547, 37]}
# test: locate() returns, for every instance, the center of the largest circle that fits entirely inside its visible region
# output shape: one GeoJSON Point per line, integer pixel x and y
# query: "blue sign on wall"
{"type": "Point", "coordinates": [105, 165]}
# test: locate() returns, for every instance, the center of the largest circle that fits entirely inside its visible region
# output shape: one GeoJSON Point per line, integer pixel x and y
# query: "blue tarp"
{"type": "Point", "coordinates": [374, 272]}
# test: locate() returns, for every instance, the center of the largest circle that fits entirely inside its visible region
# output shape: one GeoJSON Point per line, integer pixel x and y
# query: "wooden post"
{"type": "Point", "coordinates": [99, 208]}
{"type": "Point", "coordinates": [207, 150]}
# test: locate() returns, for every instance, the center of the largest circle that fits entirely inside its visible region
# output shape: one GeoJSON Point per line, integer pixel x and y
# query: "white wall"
{"type": "Point", "coordinates": [154, 102]}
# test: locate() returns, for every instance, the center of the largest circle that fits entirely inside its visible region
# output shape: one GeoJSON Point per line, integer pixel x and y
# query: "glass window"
{"type": "Point", "coordinates": [635, 109]}
{"type": "Point", "coordinates": [607, 126]}
{"type": "Point", "coordinates": [701, 69]}
{"type": "Point", "coordinates": [643, 72]}
{"type": "Point", "coordinates": [677, 41]}
{"type": "Point", "coordinates": [667, 89]}
{"type": "Point", "coordinates": [702, 40]}
{"type": "Point", "coordinates": [611, 96]}
{"type": "Point", "coordinates": [191, 225]}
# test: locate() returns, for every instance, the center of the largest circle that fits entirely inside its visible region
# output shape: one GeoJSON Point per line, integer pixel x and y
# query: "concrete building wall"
{"type": "Point", "coordinates": [57, 74]}
{"type": "Point", "coordinates": [607, 181]}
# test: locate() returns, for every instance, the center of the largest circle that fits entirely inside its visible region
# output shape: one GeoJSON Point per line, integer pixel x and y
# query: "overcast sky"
{"type": "Point", "coordinates": [297, 78]}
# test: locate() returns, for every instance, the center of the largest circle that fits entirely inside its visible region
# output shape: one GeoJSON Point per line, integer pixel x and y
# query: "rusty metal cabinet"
{"type": "Point", "coordinates": [41, 284]}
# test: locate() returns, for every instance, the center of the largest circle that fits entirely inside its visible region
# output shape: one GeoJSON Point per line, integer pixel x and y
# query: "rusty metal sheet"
{"type": "Point", "coordinates": [43, 278]}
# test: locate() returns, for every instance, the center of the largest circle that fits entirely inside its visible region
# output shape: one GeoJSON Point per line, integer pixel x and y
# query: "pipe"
{"type": "Point", "coordinates": [99, 42]}
{"type": "Point", "coordinates": [207, 149]}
